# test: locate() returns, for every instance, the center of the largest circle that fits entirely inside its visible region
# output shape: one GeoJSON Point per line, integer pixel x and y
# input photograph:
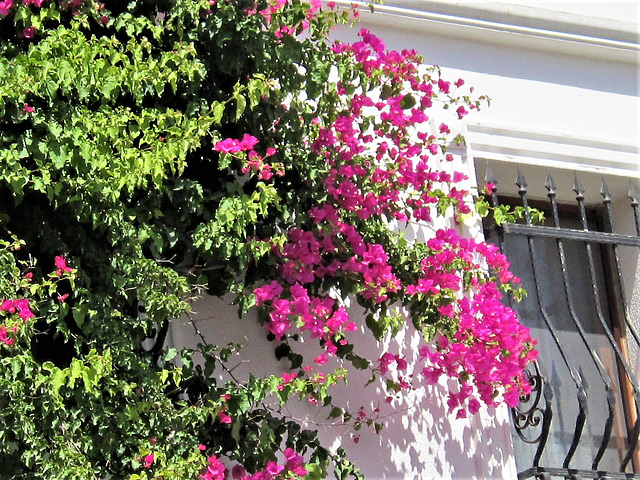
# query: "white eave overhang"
{"type": "Point", "coordinates": [512, 25]}
{"type": "Point", "coordinates": [552, 150]}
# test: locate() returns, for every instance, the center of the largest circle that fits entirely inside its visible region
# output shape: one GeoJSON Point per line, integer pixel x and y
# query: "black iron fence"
{"type": "Point", "coordinates": [582, 419]}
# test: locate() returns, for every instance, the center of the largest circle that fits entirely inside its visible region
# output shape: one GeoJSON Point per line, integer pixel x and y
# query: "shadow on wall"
{"type": "Point", "coordinates": [420, 439]}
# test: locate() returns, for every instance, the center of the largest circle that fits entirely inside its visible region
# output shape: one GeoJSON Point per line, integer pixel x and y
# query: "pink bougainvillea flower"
{"type": "Point", "coordinates": [273, 468]}
{"type": "Point", "coordinates": [461, 111]}
{"type": "Point", "coordinates": [248, 142]}
{"type": "Point", "coordinates": [28, 33]}
{"type": "Point", "coordinates": [228, 145]}
{"type": "Point", "coordinates": [35, 3]}
{"type": "Point", "coordinates": [61, 265]}
{"type": "Point", "coordinates": [288, 377]}
{"type": "Point", "coordinates": [62, 299]}
{"type": "Point", "coordinates": [224, 418]}
{"type": "Point", "coordinates": [4, 337]}
{"type": "Point", "coordinates": [27, 108]}
{"type": "Point", "coordinates": [320, 359]}
{"type": "Point", "coordinates": [267, 292]}
{"type": "Point", "coordinates": [232, 145]}
{"type": "Point", "coordinates": [5, 6]}
{"type": "Point", "coordinates": [8, 306]}
{"type": "Point", "coordinates": [444, 86]}
{"type": "Point", "coordinates": [215, 471]}
{"type": "Point", "coordinates": [148, 460]}
{"type": "Point", "coordinates": [24, 310]}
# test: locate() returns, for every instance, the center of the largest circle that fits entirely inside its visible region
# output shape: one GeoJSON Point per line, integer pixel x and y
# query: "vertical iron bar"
{"type": "Point", "coordinates": [577, 379]}
{"type": "Point", "coordinates": [611, 399]}
{"type": "Point", "coordinates": [547, 414]}
{"type": "Point", "coordinates": [489, 178]}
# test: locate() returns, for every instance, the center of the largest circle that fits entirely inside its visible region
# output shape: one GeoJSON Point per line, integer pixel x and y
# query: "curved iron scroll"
{"type": "Point", "coordinates": [528, 412]}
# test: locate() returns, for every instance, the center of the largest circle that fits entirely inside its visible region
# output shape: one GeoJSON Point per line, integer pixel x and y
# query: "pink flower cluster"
{"type": "Point", "coordinates": [276, 6]}
{"type": "Point", "coordinates": [401, 182]}
{"type": "Point", "coordinates": [318, 315]}
{"type": "Point", "coordinates": [377, 167]}
{"type": "Point", "coordinates": [388, 359]}
{"type": "Point", "coordinates": [255, 162]}
{"type": "Point", "coordinates": [148, 460]}
{"type": "Point", "coordinates": [223, 416]}
{"type": "Point", "coordinates": [215, 470]}
{"type": "Point", "coordinates": [22, 308]}
{"type": "Point", "coordinates": [293, 465]}
{"type": "Point", "coordinates": [334, 248]}
{"type": "Point", "coordinates": [264, 170]}
{"type": "Point", "coordinates": [61, 265]}
{"type": "Point", "coordinates": [231, 145]}
{"type": "Point", "coordinates": [6, 5]}
{"type": "Point", "coordinates": [490, 348]}
{"type": "Point", "coordinates": [388, 362]}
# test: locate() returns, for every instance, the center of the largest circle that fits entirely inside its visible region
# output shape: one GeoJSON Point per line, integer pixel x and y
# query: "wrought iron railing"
{"type": "Point", "coordinates": [582, 418]}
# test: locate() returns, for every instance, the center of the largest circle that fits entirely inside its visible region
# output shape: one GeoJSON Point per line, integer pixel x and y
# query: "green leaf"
{"type": "Point", "coordinates": [336, 412]}
{"type": "Point", "coordinates": [241, 104]}
{"type": "Point", "coordinates": [314, 472]}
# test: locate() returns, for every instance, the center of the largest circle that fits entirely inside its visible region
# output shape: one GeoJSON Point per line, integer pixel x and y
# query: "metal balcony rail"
{"type": "Point", "coordinates": [582, 419]}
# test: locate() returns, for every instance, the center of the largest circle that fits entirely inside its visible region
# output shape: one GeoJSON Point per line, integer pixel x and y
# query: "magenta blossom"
{"type": "Point", "coordinates": [5, 6]}
{"type": "Point", "coordinates": [224, 418]}
{"type": "Point", "coordinates": [61, 265]}
{"type": "Point", "coordinates": [148, 460]}
{"type": "Point", "coordinates": [215, 471]}
{"type": "Point", "coordinates": [231, 145]}
{"type": "Point", "coordinates": [28, 33]}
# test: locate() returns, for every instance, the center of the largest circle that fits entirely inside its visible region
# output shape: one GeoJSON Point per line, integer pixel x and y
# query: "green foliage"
{"type": "Point", "coordinates": [507, 214]}
{"type": "Point", "coordinates": [107, 122]}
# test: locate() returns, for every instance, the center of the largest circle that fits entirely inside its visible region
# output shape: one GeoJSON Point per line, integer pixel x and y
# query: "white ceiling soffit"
{"type": "Point", "coordinates": [514, 25]}
{"type": "Point", "coordinates": [553, 150]}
